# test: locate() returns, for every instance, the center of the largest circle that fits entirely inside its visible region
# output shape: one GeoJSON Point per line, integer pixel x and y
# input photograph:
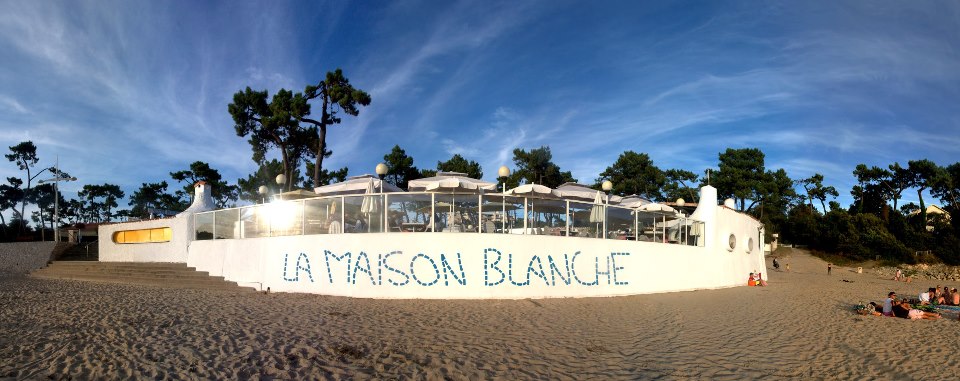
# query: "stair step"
{"type": "Point", "coordinates": [142, 274]}
{"type": "Point", "coordinates": [176, 275]}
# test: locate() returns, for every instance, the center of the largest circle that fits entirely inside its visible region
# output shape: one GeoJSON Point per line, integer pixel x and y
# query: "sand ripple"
{"type": "Point", "coordinates": [798, 328]}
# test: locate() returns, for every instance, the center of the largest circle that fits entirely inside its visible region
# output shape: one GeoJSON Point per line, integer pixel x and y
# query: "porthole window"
{"type": "Point", "coordinates": [750, 245]}
{"type": "Point", "coordinates": [732, 242]}
{"type": "Point", "coordinates": [143, 235]}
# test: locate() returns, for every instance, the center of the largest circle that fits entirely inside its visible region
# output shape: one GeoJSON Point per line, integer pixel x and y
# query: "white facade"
{"type": "Point", "coordinates": [471, 265]}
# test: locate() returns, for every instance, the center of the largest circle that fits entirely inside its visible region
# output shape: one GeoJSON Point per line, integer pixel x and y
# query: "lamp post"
{"type": "Point", "coordinates": [606, 186]}
{"type": "Point", "coordinates": [263, 193]}
{"type": "Point", "coordinates": [56, 199]}
{"type": "Point", "coordinates": [381, 171]}
{"type": "Point", "coordinates": [281, 179]}
{"type": "Point", "coordinates": [503, 172]}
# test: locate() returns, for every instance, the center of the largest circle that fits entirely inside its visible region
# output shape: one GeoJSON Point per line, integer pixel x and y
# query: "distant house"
{"type": "Point", "coordinates": [932, 210]}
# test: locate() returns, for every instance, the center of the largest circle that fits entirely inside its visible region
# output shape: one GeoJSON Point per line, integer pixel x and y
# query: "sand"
{"type": "Point", "coordinates": [800, 327]}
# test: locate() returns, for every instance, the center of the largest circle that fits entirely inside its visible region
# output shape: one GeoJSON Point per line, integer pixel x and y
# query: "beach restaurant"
{"type": "Point", "coordinates": [451, 236]}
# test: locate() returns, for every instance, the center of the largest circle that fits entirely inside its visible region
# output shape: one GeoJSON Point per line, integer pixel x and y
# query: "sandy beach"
{"type": "Point", "coordinates": [799, 327]}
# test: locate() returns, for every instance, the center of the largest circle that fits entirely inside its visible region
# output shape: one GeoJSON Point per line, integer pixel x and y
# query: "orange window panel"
{"type": "Point", "coordinates": [154, 235]}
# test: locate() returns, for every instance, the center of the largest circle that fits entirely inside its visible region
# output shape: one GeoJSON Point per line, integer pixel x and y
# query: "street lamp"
{"type": "Point", "coordinates": [503, 172]}
{"type": "Point", "coordinates": [607, 186]}
{"type": "Point", "coordinates": [381, 171]}
{"type": "Point", "coordinates": [281, 179]}
{"type": "Point", "coordinates": [56, 199]}
{"type": "Point", "coordinates": [263, 193]}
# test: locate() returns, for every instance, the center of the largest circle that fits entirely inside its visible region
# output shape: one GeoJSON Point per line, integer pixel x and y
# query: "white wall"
{"type": "Point", "coordinates": [173, 251]}
{"type": "Point", "coordinates": [310, 264]}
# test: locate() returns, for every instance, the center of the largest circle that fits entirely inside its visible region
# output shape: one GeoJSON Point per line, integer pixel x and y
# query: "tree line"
{"type": "Point", "coordinates": [283, 126]}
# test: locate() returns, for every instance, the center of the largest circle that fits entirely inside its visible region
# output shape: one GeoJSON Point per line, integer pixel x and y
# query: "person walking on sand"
{"type": "Point", "coordinates": [788, 267]}
{"type": "Point", "coordinates": [829, 268]}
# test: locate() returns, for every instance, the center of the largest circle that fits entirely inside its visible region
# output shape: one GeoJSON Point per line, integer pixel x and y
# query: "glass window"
{"type": "Point", "coordinates": [253, 222]}
{"type": "Point", "coordinates": [586, 220]}
{"type": "Point", "coordinates": [322, 216]}
{"type": "Point", "coordinates": [204, 225]}
{"type": "Point", "coordinates": [153, 235]}
{"type": "Point", "coordinates": [456, 212]}
{"type": "Point", "coordinates": [409, 212]}
{"type": "Point", "coordinates": [227, 224]}
{"type": "Point", "coordinates": [546, 217]}
{"type": "Point", "coordinates": [620, 223]}
{"type": "Point", "coordinates": [285, 217]}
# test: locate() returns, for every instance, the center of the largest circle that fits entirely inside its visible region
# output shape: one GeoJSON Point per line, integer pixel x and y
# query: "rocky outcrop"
{"type": "Point", "coordinates": [923, 271]}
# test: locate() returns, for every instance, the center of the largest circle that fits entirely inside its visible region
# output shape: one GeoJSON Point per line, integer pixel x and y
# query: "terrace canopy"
{"type": "Point", "coordinates": [355, 185]}
{"type": "Point", "coordinates": [450, 182]}
{"type": "Point", "coordinates": [534, 190]}
{"type": "Point", "coordinates": [580, 192]}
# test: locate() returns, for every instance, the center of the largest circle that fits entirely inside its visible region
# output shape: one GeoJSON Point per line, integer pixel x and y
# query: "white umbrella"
{"type": "Point", "coordinates": [596, 211]}
{"type": "Point", "coordinates": [355, 185]}
{"type": "Point", "coordinates": [633, 201]}
{"type": "Point", "coordinates": [657, 208]}
{"type": "Point", "coordinates": [574, 191]}
{"type": "Point", "coordinates": [369, 205]}
{"type": "Point", "coordinates": [452, 182]}
{"type": "Point", "coordinates": [534, 190]}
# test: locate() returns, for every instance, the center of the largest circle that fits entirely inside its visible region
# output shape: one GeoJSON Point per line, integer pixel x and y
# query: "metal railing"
{"type": "Point", "coordinates": [429, 212]}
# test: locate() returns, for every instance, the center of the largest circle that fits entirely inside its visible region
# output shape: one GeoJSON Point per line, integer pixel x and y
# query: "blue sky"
{"type": "Point", "coordinates": [127, 91]}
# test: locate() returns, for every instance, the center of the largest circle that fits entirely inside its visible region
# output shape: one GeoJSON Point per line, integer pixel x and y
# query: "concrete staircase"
{"type": "Point", "coordinates": [172, 275]}
{"type": "Point", "coordinates": [81, 252]}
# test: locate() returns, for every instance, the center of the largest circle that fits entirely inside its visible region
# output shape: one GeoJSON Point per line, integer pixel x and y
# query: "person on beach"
{"type": "Point", "coordinates": [788, 267]}
{"type": "Point", "coordinates": [888, 304]}
{"type": "Point", "coordinates": [905, 310]}
{"type": "Point", "coordinates": [954, 297]}
{"type": "Point", "coordinates": [898, 276]}
{"type": "Point", "coordinates": [776, 265]}
{"type": "Point", "coordinates": [926, 295]}
{"type": "Point", "coordinates": [829, 268]}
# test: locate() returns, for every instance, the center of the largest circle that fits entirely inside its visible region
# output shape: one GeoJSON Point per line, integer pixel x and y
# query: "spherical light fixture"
{"type": "Point", "coordinates": [681, 202]}
{"type": "Point", "coordinates": [607, 185]}
{"type": "Point", "coordinates": [281, 179]}
{"type": "Point", "coordinates": [381, 169]}
{"type": "Point", "coordinates": [262, 190]}
{"type": "Point", "coordinates": [503, 171]}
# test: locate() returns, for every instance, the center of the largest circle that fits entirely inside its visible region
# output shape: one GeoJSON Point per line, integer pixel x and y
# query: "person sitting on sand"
{"type": "Point", "coordinates": [954, 297]}
{"type": "Point", "coordinates": [888, 304]}
{"type": "Point", "coordinates": [925, 296]}
{"type": "Point", "coordinates": [905, 310]}
{"type": "Point", "coordinates": [898, 276]}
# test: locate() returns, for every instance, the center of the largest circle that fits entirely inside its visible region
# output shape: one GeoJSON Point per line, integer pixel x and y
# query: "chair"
{"type": "Point", "coordinates": [489, 227]}
{"type": "Point", "coordinates": [335, 228]}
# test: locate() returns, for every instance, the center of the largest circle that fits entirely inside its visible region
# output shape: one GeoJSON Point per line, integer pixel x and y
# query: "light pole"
{"type": "Point", "coordinates": [263, 193]}
{"type": "Point", "coordinates": [56, 199]}
{"type": "Point", "coordinates": [607, 186]}
{"type": "Point", "coordinates": [381, 171]}
{"type": "Point", "coordinates": [281, 179]}
{"type": "Point", "coordinates": [503, 172]}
